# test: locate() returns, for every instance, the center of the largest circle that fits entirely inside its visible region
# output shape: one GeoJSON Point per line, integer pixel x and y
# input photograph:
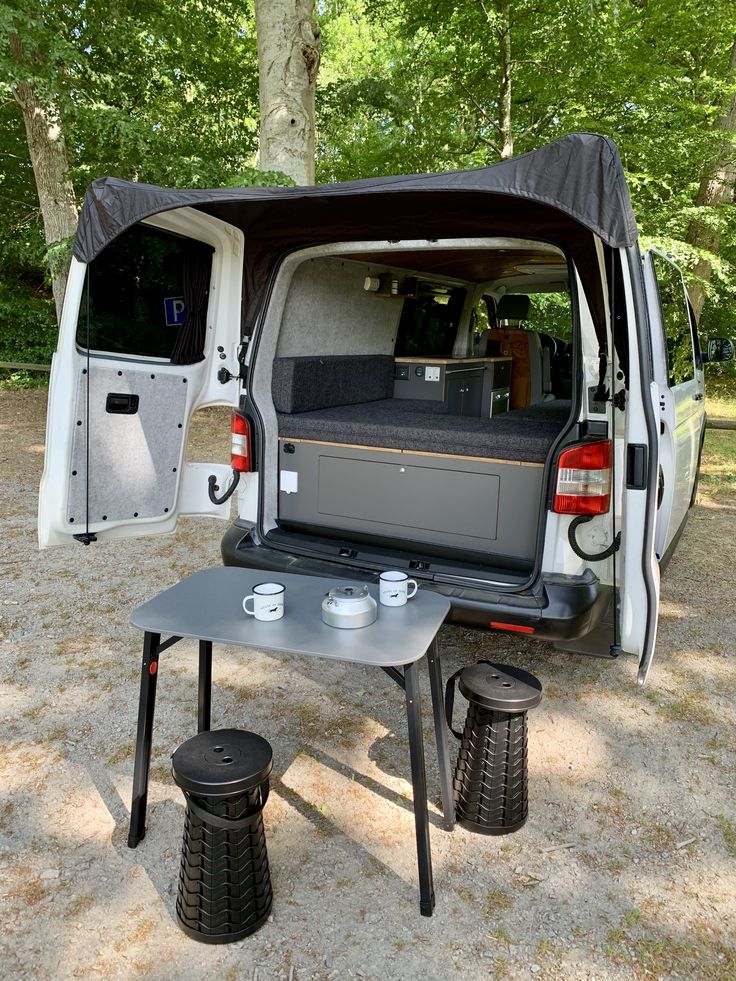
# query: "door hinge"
{"type": "Point", "coordinates": [619, 399]}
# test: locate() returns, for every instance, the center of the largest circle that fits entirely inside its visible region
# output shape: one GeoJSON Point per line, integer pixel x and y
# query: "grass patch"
{"type": "Point", "coordinates": [691, 708]}
{"type": "Point", "coordinates": [122, 753]}
{"type": "Point", "coordinates": [660, 836]}
{"type": "Point", "coordinates": [719, 406]}
{"type": "Point", "coordinates": [650, 952]}
{"type": "Point", "coordinates": [497, 900]}
{"type": "Point", "coordinates": [728, 830]}
{"type": "Point", "coordinates": [718, 466]}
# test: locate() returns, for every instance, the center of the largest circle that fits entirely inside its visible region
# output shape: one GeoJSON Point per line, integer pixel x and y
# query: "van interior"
{"type": "Point", "coordinates": [417, 394]}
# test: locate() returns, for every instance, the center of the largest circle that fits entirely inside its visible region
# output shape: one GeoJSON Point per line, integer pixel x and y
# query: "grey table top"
{"type": "Point", "coordinates": [208, 606]}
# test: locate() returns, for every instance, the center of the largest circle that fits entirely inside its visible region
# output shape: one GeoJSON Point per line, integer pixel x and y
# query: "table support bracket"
{"type": "Point", "coordinates": [440, 732]}
{"type": "Point", "coordinates": [397, 676]}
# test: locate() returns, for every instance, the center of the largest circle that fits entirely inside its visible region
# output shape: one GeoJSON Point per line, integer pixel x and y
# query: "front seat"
{"type": "Point", "coordinates": [530, 381]}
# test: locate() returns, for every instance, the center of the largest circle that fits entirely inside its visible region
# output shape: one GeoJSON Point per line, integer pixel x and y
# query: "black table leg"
{"type": "Point", "coordinates": [146, 706]}
{"type": "Point", "coordinates": [419, 785]}
{"type": "Point", "coordinates": [205, 686]}
{"type": "Point", "coordinates": [440, 731]}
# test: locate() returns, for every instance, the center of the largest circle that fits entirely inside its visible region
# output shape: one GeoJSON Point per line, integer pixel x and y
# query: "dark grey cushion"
{"type": "Point", "coordinates": [306, 384]}
{"type": "Point", "coordinates": [408, 425]}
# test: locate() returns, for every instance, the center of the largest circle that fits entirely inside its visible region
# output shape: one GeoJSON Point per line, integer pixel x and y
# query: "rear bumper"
{"type": "Point", "coordinates": [558, 608]}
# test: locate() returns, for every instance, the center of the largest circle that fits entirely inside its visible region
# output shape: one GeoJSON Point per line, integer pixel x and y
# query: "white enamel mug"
{"type": "Point", "coordinates": [394, 588]}
{"type": "Point", "coordinates": [268, 601]}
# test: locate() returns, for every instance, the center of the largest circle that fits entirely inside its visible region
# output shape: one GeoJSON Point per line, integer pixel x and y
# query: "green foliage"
{"type": "Point", "coordinates": [27, 325]}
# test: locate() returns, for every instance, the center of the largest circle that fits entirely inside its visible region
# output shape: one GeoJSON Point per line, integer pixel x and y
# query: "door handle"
{"type": "Point", "coordinates": [121, 403]}
{"type": "Point", "coordinates": [698, 397]}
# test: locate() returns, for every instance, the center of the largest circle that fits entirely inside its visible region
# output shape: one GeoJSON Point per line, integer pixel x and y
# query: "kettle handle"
{"type": "Point", "coordinates": [450, 702]}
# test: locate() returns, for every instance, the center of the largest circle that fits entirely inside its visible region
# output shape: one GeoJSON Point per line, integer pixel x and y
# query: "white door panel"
{"type": "Point", "coordinates": [680, 378]}
{"type": "Point", "coordinates": [117, 422]}
{"type": "Point", "coordinates": [194, 498]}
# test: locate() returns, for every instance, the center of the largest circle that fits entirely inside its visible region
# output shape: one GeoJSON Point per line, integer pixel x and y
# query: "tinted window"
{"type": "Point", "coordinates": [140, 288]}
{"type": "Point", "coordinates": [676, 319]}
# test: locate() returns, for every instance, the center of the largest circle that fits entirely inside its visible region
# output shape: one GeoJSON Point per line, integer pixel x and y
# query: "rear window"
{"type": "Point", "coordinates": [146, 294]}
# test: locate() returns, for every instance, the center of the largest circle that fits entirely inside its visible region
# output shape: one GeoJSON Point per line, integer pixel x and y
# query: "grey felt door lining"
{"type": "Point", "coordinates": [134, 457]}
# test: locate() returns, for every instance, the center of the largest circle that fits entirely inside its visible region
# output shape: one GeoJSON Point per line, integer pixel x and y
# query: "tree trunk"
{"type": "Point", "coordinates": [717, 186]}
{"type": "Point", "coordinates": [288, 62]}
{"type": "Point", "coordinates": [507, 133]}
{"type": "Point", "coordinates": [50, 164]}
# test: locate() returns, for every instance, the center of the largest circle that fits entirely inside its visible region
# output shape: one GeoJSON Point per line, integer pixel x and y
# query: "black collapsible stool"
{"type": "Point", "coordinates": [490, 781]}
{"type": "Point", "coordinates": [224, 889]}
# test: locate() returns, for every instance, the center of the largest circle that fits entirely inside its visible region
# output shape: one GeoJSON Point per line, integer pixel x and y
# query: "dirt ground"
{"type": "Point", "coordinates": [626, 868]}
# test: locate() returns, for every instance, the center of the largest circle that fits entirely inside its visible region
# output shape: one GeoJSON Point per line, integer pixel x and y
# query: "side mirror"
{"type": "Point", "coordinates": [719, 349]}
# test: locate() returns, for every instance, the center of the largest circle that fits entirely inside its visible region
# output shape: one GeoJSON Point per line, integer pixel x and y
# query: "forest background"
{"type": "Point", "coordinates": [168, 93]}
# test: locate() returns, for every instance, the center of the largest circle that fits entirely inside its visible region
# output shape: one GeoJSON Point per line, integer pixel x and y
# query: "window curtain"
{"type": "Point", "coordinates": [189, 345]}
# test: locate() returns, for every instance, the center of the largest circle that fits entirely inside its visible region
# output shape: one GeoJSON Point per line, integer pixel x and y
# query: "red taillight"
{"type": "Point", "coordinates": [240, 452]}
{"type": "Point", "coordinates": [584, 479]}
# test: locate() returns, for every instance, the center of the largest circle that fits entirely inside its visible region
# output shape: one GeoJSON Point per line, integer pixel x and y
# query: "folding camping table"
{"type": "Point", "coordinates": [208, 606]}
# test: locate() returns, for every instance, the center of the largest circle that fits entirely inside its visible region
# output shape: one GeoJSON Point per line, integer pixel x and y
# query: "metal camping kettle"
{"type": "Point", "coordinates": [348, 607]}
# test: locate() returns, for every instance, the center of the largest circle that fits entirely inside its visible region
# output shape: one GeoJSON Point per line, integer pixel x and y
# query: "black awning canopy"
{"type": "Point", "coordinates": [564, 193]}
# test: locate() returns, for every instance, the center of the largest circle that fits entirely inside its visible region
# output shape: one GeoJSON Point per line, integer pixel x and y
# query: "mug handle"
{"type": "Point", "coordinates": [251, 613]}
{"type": "Point", "coordinates": [411, 582]}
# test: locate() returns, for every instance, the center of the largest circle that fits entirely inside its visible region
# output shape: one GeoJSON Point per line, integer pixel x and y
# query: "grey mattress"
{"type": "Point", "coordinates": [524, 435]}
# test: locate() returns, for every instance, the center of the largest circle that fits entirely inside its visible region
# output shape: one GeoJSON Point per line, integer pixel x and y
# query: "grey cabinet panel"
{"type": "Point", "coordinates": [423, 498]}
{"type": "Point", "coordinates": [479, 505]}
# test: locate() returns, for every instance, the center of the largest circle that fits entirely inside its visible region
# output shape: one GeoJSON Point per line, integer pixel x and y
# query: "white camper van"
{"type": "Point", "coordinates": [476, 377]}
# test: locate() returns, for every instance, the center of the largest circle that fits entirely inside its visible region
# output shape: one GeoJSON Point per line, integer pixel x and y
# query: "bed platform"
{"type": "Point", "coordinates": [404, 469]}
{"type": "Point", "coordinates": [520, 436]}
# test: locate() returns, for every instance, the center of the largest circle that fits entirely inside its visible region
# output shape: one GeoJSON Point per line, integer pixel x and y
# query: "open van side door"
{"type": "Point", "coordinates": [167, 290]}
{"type": "Point", "coordinates": [639, 462]}
{"type": "Point", "coordinates": [679, 373]}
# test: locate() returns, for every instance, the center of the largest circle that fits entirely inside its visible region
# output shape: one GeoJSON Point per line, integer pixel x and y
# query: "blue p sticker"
{"type": "Point", "coordinates": [176, 311]}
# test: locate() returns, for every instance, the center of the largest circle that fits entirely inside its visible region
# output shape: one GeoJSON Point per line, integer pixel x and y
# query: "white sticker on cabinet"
{"type": "Point", "coordinates": [289, 481]}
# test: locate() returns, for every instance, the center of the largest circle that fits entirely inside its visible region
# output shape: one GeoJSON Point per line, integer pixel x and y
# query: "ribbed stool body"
{"type": "Point", "coordinates": [490, 781]}
{"type": "Point", "coordinates": [224, 890]}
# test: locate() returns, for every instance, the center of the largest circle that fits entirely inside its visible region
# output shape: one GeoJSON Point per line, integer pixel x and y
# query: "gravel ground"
{"type": "Point", "coordinates": [625, 869]}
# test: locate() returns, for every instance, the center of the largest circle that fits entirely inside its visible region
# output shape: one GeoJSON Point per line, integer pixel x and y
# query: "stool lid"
{"type": "Point", "coordinates": [222, 762]}
{"type": "Point", "coordinates": [499, 687]}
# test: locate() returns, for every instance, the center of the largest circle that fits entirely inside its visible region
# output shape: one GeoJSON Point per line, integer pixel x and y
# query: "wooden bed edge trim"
{"type": "Point", "coordinates": [393, 449]}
